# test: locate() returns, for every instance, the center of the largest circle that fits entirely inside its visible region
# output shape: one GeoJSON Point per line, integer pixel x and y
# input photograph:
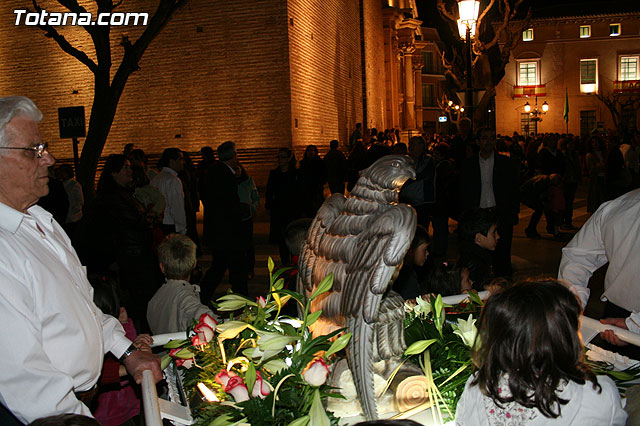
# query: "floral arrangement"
{"type": "Point", "coordinates": [439, 339]}
{"type": "Point", "coordinates": [259, 367]}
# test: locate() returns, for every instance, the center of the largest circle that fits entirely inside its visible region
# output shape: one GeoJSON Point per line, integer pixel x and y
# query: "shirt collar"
{"type": "Point", "coordinates": [489, 158]}
{"type": "Point", "coordinates": [10, 218]}
{"type": "Point", "coordinates": [170, 171]}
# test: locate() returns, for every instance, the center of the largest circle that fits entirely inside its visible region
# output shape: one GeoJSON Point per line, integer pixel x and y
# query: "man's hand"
{"type": "Point", "coordinates": [609, 335]}
{"type": "Point", "coordinates": [143, 342]}
{"type": "Point", "coordinates": [139, 361]}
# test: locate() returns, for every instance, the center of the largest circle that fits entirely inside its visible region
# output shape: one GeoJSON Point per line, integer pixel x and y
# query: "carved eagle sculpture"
{"type": "Point", "coordinates": [362, 239]}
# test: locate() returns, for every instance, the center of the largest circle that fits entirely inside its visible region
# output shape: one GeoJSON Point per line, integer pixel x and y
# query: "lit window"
{"type": "Point", "coordinates": [628, 68]}
{"type": "Point", "coordinates": [614, 29]}
{"type": "Point", "coordinates": [527, 35]}
{"type": "Point", "coordinates": [585, 31]}
{"type": "Point", "coordinates": [527, 73]}
{"type": "Point", "coordinates": [588, 75]}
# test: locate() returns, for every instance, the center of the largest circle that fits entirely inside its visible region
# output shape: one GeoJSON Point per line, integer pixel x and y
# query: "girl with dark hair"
{"type": "Point", "coordinates": [529, 364]}
{"type": "Point", "coordinates": [407, 284]}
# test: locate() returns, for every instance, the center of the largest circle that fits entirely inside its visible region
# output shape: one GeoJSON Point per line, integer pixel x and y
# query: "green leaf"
{"type": "Point", "coordinates": [222, 420]}
{"type": "Point", "coordinates": [419, 346]}
{"type": "Point", "coordinates": [288, 329]}
{"type": "Point", "coordinates": [184, 354]}
{"type": "Point", "coordinates": [270, 264]}
{"type": "Point", "coordinates": [278, 285]}
{"type": "Point", "coordinates": [621, 375]}
{"type": "Point", "coordinates": [165, 361]}
{"type": "Point", "coordinates": [297, 296]}
{"type": "Point", "coordinates": [275, 365]}
{"type": "Point", "coordinates": [281, 271]}
{"type": "Point", "coordinates": [231, 329]}
{"type": "Point", "coordinates": [250, 377]}
{"type": "Point", "coordinates": [172, 344]}
{"type": "Point", "coordinates": [475, 298]}
{"type": "Point", "coordinates": [324, 286]}
{"type": "Point", "coordinates": [313, 317]}
{"type": "Point", "coordinates": [318, 417]}
{"type": "Point", "coordinates": [338, 344]}
{"type": "Point", "coordinates": [302, 421]}
{"type": "Point", "coordinates": [438, 306]}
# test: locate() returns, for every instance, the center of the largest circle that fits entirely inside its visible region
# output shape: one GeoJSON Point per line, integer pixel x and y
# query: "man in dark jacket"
{"type": "Point", "coordinates": [225, 233]}
{"type": "Point", "coordinates": [487, 180]}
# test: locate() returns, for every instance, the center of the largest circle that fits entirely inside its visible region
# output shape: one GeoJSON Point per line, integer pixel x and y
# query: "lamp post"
{"type": "Point", "coordinates": [468, 17]}
{"type": "Point", "coordinates": [536, 115]}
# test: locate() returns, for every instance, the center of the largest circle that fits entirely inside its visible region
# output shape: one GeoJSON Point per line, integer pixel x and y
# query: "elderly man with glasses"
{"type": "Point", "coordinates": [54, 335]}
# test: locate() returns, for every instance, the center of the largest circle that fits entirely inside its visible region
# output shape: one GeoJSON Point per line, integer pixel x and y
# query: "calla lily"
{"type": "Point", "coordinates": [223, 377]}
{"type": "Point", "coordinates": [467, 330]}
{"type": "Point", "coordinates": [204, 334]}
{"type": "Point", "coordinates": [208, 320]}
{"type": "Point", "coordinates": [260, 387]}
{"type": "Point", "coordinates": [316, 372]}
{"type": "Point", "coordinates": [422, 307]}
{"type": "Point", "coordinates": [237, 389]}
{"type": "Point", "coordinates": [274, 341]}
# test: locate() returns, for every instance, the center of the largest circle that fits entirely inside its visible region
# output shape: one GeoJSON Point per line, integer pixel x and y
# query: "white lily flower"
{"type": "Point", "coordinates": [422, 307]}
{"type": "Point", "coordinates": [466, 330]}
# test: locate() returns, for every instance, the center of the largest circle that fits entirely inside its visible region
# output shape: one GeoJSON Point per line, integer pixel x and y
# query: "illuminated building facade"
{"type": "Point", "coordinates": [572, 56]}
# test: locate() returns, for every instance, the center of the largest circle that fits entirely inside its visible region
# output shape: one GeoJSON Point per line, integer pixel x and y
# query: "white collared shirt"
{"type": "Point", "coordinates": [53, 334]}
{"type": "Point", "coordinates": [612, 234]}
{"type": "Point", "coordinates": [168, 182]}
{"type": "Point", "coordinates": [487, 198]}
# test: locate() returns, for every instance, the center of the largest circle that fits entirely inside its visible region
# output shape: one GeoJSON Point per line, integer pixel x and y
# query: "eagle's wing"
{"type": "Point", "coordinates": [380, 250]}
{"type": "Point", "coordinates": [319, 256]}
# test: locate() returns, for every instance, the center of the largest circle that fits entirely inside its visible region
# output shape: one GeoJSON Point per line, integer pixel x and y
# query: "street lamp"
{"type": "Point", "coordinates": [536, 115]}
{"type": "Point", "coordinates": [467, 20]}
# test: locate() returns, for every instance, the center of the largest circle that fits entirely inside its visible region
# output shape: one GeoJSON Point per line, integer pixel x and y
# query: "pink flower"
{"type": "Point", "coordinates": [180, 362]}
{"type": "Point", "coordinates": [261, 301]}
{"type": "Point", "coordinates": [260, 387]}
{"type": "Point", "coordinates": [237, 389]}
{"type": "Point", "coordinates": [223, 377]}
{"type": "Point", "coordinates": [316, 372]}
{"type": "Point", "coordinates": [186, 363]}
{"type": "Point", "coordinates": [207, 319]}
{"type": "Point", "coordinates": [204, 334]}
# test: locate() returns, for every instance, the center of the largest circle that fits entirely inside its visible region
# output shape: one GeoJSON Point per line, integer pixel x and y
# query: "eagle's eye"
{"type": "Point", "coordinates": [395, 164]}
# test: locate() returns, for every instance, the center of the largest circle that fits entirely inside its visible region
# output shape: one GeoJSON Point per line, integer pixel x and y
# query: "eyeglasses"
{"type": "Point", "coordinates": [39, 149]}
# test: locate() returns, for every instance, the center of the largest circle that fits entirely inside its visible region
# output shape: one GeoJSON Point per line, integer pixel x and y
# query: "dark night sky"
{"type": "Point", "coordinates": [428, 12]}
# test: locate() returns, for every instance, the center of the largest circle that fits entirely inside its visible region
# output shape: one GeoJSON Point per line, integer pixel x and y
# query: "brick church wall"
{"type": "Point", "coordinates": [241, 70]}
{"type": "Point", "coordinates": [375, 64]}
{"type": "Point", "coordinates": [210, 76]}
{"type": "Point", "coordinates": [326, 77]}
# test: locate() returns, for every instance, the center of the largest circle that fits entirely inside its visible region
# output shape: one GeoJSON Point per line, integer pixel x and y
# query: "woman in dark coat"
{"type": "Point", "coordinates": [119, 233]}
{"type": "Point", "coordinates": [282, 200]}
{"type": "Point", "coordinates": [313, 176]}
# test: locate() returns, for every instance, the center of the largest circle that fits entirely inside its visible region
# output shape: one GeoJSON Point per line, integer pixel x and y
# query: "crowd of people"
{"type": "Point", "coordinates": [95, 275]}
